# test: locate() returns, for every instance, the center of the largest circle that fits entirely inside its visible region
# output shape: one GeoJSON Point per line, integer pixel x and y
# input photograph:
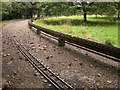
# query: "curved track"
{"type": "Point", "coordinates": [66, 62]}
{"type": "Point", "coordinates": [55, 80]}
{"type": "Point", "coordinates": [87, 49]}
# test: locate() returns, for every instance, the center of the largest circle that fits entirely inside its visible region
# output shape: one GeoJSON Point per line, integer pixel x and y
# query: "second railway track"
{"type": "Point", "coordinates": [86, 49]}
{"type": "Point", "coordinates": [55, 80]}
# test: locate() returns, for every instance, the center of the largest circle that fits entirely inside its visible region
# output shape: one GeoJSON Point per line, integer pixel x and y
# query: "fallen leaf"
{"type": "Point", "coordinates": [75, 59]}
{"type": "Point", "coordinates": [47, 57]}
{"type": "Point", "coordinates": [51, 56]}
{"type": "Point", "coordinates": [31, 42]}
{"type": "Point", "coordinates": [37, 74]}
{"type": "Point", "coordinates": [8, 54]}
{"type": "Point", "coordinates": [4, 55]}
{"type": "Point", "coordinates": [69, 64]}
{"type": "Point", "coordinates": [109, 81]}
{"type": "Point", "coordinates": [81, 63]}
{"type": "Point", "coordinates": [99, 75]}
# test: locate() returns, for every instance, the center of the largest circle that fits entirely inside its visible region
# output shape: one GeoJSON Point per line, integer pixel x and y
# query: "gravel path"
{"type": "Point", "coordinates": [76, 66]}
{"type": "Point", "coordinates": [16, 71]}
{"type": "Point", "coordinates": [0, 57]}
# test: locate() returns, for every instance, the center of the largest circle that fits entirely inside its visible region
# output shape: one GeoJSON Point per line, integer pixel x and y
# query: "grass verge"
{"type": "Point", "coordinates": [99, 29]}
{"type": "Point", "coordinates": [3, 23]}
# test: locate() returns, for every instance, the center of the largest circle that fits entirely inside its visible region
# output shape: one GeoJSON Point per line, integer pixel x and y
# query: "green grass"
{"type": "Point", "coordinates": [99, 30]}
{"type": "Point", "coordinates": [3, 23]}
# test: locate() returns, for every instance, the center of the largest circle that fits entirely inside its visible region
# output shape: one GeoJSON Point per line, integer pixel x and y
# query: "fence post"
{"type": "Point", "coordinates": [30, 27]}
{"type": "Point", "coordinates": [38, 31]}
{"type": "Point", "coordinates": [61, 42]}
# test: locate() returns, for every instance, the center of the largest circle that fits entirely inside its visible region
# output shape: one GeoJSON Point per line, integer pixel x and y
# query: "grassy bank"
{"type": "Point", "coordinates": [99, 29]}
{"type": "Point", "coordinates": [3, 23]}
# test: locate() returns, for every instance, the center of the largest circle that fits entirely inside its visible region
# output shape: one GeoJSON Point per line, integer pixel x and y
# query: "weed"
{"type": "Point", "coordinates": [108, 42]}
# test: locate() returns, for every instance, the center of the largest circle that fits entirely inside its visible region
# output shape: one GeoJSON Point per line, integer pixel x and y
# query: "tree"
{"type": "Point", "coordinates": [117, 5]}
{"type": "Point", "coordinates": [84, 6]}
{"type": "Point", "coordinates": [110, 9]}
{"type": "Point", "coordinates": [17, 10]}
{"type": "Point", "coordinates": [5, 10]}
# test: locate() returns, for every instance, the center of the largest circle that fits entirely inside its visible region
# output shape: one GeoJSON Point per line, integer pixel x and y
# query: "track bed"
{"type": "Point", "coordinates": [78, 67]}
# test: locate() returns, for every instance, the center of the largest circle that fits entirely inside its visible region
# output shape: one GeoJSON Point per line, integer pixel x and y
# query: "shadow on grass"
{"type": "Point", "coordinates": [76, 22]}
{"type": "Point", "coordinates": [96, 62]}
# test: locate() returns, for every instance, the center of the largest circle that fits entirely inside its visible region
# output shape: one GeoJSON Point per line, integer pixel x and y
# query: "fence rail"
{"type": "Point", "coordinates": [99, 47]}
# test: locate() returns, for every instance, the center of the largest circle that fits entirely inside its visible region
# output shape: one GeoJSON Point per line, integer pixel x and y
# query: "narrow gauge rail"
{"type": "Point", "coordinates": [94, 47]}
{"type": "Point", "coordinates": [55, 80]}
{"type": "Point", "coordinates": [84, 48]}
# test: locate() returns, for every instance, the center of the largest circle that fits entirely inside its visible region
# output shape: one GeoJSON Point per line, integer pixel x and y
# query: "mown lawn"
{"type": "Point", "coordinates": [99, 29]}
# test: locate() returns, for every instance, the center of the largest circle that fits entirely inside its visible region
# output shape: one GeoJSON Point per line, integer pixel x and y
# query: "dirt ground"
{"type": "Point", "coordinates": [16, 71]}
{"type": "Point", "coordinates": [0, 57]}
{"type": "Point", "coordinates": [78, 67]}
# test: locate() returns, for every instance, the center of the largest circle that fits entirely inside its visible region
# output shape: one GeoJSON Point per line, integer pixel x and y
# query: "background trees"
{"type": "Point", "coordinates": [19, 10]}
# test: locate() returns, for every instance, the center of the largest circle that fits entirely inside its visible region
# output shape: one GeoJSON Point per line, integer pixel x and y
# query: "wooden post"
{"type": "Point", "coordinates": [61, 42]}
{"type": "Point", "coordinates": [38, 31]}
{"type": "Point", "coordinates": [30, 27]}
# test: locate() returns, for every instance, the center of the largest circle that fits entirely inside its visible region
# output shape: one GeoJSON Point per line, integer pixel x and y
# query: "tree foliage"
{"type": "Point", "coordinates": [19, 10]}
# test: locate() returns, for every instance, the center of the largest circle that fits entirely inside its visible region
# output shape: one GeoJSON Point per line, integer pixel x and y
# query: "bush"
{"type": "Point", "coordinates": [108, 42]}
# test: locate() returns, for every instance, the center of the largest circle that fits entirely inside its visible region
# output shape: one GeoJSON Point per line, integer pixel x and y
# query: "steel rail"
{"type": "Point", "coordinates": [87, 49]}
{"type": "Point", "coordinates": [49, 70]}
{"type": "Point", "coordinates": [32, 60]}
{"type": "Point", "coordinates": [40, 71]}
{"type": "Point", "coordinates": [99, 47]}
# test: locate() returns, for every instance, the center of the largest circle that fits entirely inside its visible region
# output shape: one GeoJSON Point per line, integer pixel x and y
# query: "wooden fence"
{"type": "Point", "coordinates": [99, 47]}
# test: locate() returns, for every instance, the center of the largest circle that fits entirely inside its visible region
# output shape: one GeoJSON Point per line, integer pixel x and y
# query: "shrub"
{"type": "Point", "coordinates": [108, 42]}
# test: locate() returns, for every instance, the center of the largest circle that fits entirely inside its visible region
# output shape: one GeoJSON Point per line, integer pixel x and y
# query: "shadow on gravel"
{"type": "Point", "coordinates": [90, 59]}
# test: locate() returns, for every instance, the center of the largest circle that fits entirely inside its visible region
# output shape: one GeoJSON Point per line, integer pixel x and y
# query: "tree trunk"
{"type": "Point", "coordinates": [118, 16]}
{"type": "Point", "coordinates": [31, 13]}
{"type": "Point", "coordinates": [85, 15]}
{"type": "Point", "coordinates": [85, 18]}
{"type": "Point", "coordinates": [96, 15]}
{"type": "Point", "coordinates": [38, 15]}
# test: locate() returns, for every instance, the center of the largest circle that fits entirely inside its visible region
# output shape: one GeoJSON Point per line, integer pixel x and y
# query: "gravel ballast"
{"type": "Point", "coordinates": [78, 67]}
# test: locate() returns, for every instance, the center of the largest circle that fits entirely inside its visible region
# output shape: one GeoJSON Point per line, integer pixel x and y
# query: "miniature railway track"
{"type": "Point", "coordinates": [55, 80]}
{"type": "Point", "coordinates": [100, 49]}
{"type": "Point", "coordinates": [92, 51]}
